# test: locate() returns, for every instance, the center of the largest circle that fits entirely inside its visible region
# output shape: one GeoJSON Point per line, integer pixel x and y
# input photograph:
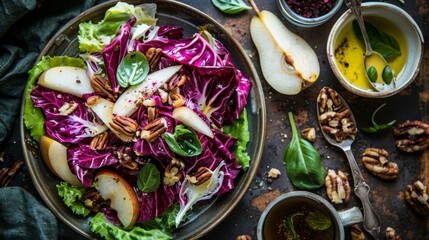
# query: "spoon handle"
{"type": "Point", "coordinates": [354, 6]}
{"type": "Point", "coordinates": [371, 221]}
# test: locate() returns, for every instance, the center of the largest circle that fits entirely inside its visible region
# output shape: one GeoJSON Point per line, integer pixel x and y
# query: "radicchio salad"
{"type": "Point", "coordinates": [151, 122]}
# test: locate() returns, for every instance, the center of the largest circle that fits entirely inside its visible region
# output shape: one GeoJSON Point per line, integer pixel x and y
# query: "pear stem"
{"type": "Point", "coordinates": [253, 4]}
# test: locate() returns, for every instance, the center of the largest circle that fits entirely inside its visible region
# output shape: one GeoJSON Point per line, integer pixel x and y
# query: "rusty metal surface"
{"type": "Point", "coordinates": [387, 196]}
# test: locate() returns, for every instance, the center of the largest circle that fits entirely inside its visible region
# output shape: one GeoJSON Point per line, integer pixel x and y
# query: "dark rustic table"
{"type": "Point", "coordinates": [386, 196]}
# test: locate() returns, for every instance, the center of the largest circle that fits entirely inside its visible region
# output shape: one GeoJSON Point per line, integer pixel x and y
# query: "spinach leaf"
{"type": "Point", "coordinates": [132, 70]}
{"type": "Point", "coordinates": [317, 220]}
{"type": "Point", "coordinates": [376, 127]}
{"type": "Point", "coordinates": [148, 178]}
{"type": "Point", "coordinates": [302, 161]}
{"type": "Point", "coordinates": [231, 6]}
{"type": "Point", "coordinates": [380, 41]}
{"type": "Point", "coordinates": [184, 141]}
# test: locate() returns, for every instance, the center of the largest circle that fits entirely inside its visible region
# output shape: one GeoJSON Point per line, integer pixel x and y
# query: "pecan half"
{"type": "Point", "coordinates": [391, 234]}
{"type": "Point", "coordinates": [337, 187]}
{"type": "Point", "coordinates": [202, 175]}
{"type": "Point", "coordinates": [153, 130]}
{"type": "Point", "coordinates": [173, 172]}
{"type": "Point", "coordinates": [412, 136]}
{"type": "Point", "coordinates": [124, 127]}
{"type": "Point", "coordinates": [177, 100]}
{"type": "Point", "coordinates": [67, 108]}
{"type": "Point", "coordinates": [152, 113]}
{"type": "Point", "coordinates": [375, 160]}
{"type": "Point", "coordinates": [309, 134]}
{"type": "Point", "coordinates": [92, 100]}
{"type": "Point", "coordinates": [7, 174]}
{"type": "Point", "coordinates": [102, 85]}
{"type": "Point", "coordinates": [177, 80]}
{"type": "Point", "coordinates": [153, 55]}
{"type": "Point", "coordinates": [356, 232]}
{"type": "Point", "coordinates": [99, 142]}
{"type": "Point", "coordinates": [126, 158]}
{"type": "Point", "coordinates": [417, 197]}
{"type": "Point", "coordinates": [92, 199]}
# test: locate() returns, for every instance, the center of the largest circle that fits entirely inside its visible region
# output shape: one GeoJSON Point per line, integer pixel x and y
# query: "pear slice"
{"type": "Point", "coordinates": [55, 156]}
{"type": "Point", "coordinates": [72, 80]}
{"type": "Point", "coordinates": [288, 63]}
{"type": "Point", "coordinates": [190, 119]}
{"type": "Point", "coordinates": [129, 101]}
{"type": "Point", "coordinates": [121, 195]}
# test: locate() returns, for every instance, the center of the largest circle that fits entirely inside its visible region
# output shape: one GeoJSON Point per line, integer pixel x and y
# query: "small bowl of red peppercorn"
{"type": "Point", "coordinates": [309, 13]}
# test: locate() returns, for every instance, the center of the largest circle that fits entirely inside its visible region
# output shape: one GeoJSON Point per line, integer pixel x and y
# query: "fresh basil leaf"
{"type": "Point", "coordinates": [184, 141]}
{"type": "Point", "coordinates": [148, 178]}
{"type": "Point", "coordinates": [380, 41]}
{"type": "Point", "coordinates": [372, 74]}
{"type": "Point", "coordinates": [231, 6]}
{"type": "Point", "coordinates": [132, 70]}
{"type": "Point", "coordinates": [317, 220]}
{"type": "Point", "coordinates": [302, 160]}
{"type": "Point", "coordinates": [387, 74]}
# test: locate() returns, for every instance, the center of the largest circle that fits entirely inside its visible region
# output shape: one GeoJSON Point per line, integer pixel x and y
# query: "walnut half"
{"type": "Point", "coordinates": [391, 234]}
{"type": "Point", "coordinates": [417, 197]}
{"type": "Point", "coordinates": [412, 136]}
{"type": "Point", "coordinates": [356, 232]}
{"type": "Point", "coordinates": [375, 160]}
{"type": "Point", "coordinates": [337, 187]}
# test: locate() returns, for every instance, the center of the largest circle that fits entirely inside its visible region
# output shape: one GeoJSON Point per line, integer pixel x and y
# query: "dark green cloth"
{"type": "Point", "coordinates": [23, 217]}
{"type": "Point", "coordinates": [25, 27]}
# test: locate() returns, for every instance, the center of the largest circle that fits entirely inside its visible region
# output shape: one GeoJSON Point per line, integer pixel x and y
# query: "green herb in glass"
{"type": "Point", "coordinates": [148, 178]}
{"type": "Point", "coordinates": [132, 70]}
{"type": "Point", "coordinates": [377, 127]}
{"type": "Point", "coordinates": [292, 227]}
{"type": "Point", "coordinates": [317, 220]}
{"type": "Point", "coordinates": [231, 6]}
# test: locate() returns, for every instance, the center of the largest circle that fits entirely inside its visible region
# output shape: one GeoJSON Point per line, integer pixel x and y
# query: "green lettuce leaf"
{"type": "Point", "coordinates": [157, 228]}
{"type": "Point", "coordinates": [93, 37]}
{"type": "Point", "coordinates": [240, 130]}
{"type": "Point", "coordinates": [71, 197]}
{"type": "Point", "coordinates": [33, 117]}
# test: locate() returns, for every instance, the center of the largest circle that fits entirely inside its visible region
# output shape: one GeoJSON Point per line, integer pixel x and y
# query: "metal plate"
{"type": "Point", "coordinates": [168, 13]}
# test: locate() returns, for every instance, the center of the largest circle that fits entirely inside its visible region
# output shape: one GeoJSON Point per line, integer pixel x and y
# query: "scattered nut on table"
{"type": "Point", "coordinates": [417, 197]}
{"type": "Point", "coordinates": [391, 234]}
{"type": "Point", "coordinates": [309, 134]}
{"type": "Point", "coordinates": [274, 173]}
{"type": "Point", "coordinates": [412, 136]}
{"type": "Point", "coordinates": [356, 233]}
{"type": "Point", "coordinates": [375, 160]}
{"type": "Point", "coordinates": [337, 186]}
{"type": "Point", "coordinates": [243, 237]}
{"type": "Point", "coordinates": [335, 117]}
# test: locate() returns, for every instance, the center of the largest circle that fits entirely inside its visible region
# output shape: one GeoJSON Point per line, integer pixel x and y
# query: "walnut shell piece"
{"type": "Point", "coordinates": [375, 160]}
{"type": "Point", "coordinates": [337, 186]}
{"type": "Point", "coordinates": [417, 197]}
{"type": "Point", "coordinates": [356, 233]}
{"type": "Point", "coordinates": [412, 136]}
{"type": "Point", "coordinates": [391, 234]}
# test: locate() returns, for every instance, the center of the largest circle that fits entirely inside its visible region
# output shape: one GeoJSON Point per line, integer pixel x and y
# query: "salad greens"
{"type": "Point", "coordinates": [115, 50]}
{"type": "Point", "coordinates": [231, 6]}
{"type": "Point", "coordinates": [72, 197]}
{"type": "Point", "coordinates": [132, 70]}
{"type": "Point", "coordinates": [184, 141]}
{"type": "Point", "coordinates": [148, 178]}
{"type": "Point", "coordinates": [302, 161]}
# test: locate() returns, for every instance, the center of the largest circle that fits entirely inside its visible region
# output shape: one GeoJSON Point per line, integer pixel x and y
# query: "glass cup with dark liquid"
{"type": "Point", "coordinates": [305, 216]}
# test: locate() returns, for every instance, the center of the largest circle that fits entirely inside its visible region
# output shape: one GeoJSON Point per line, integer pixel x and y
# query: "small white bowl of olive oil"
{"type": "Point", "coordinates": [394, 34]}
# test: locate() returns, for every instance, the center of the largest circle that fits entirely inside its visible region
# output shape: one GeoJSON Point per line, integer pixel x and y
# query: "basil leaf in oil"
{"type": "Point", "coordinates": [148, 178]}
{"type": "Point", "coordinates": [231, 6]}
{"type": "Point", "coordinates": [184, 141]}
{"type": "Point", "coordinates": [387, 74]}
{"type": "Point", "coordinates": [377, 127]}
{"type": "Point", "coordinates": [317, 220]}
{"type": "Point", "coordinates": [372, 74]}
{"type": "Point", "coordinates": [380, 41]}
{"type": "Point", "coordinates": [132, 70]}
{"type": "Point", "coordinates": [302, 160]}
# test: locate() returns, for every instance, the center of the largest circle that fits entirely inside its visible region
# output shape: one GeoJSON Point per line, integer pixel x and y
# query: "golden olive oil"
{"type": "Point", "coordinates": [277, 226]}
{"type": "Point", "coordinates": [349, 52]}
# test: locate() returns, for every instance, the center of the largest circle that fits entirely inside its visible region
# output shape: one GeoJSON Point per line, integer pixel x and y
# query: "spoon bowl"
{"type": "Point", "coordinates": [373, 61]}
{"type": "Point", "coordinates": [371, 222]}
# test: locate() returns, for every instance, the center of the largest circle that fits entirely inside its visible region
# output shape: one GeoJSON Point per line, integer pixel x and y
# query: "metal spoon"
{"type": "Point", "coordinates": [371, 220]}
{"type": "Point", "coordinates": [355, 7]}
